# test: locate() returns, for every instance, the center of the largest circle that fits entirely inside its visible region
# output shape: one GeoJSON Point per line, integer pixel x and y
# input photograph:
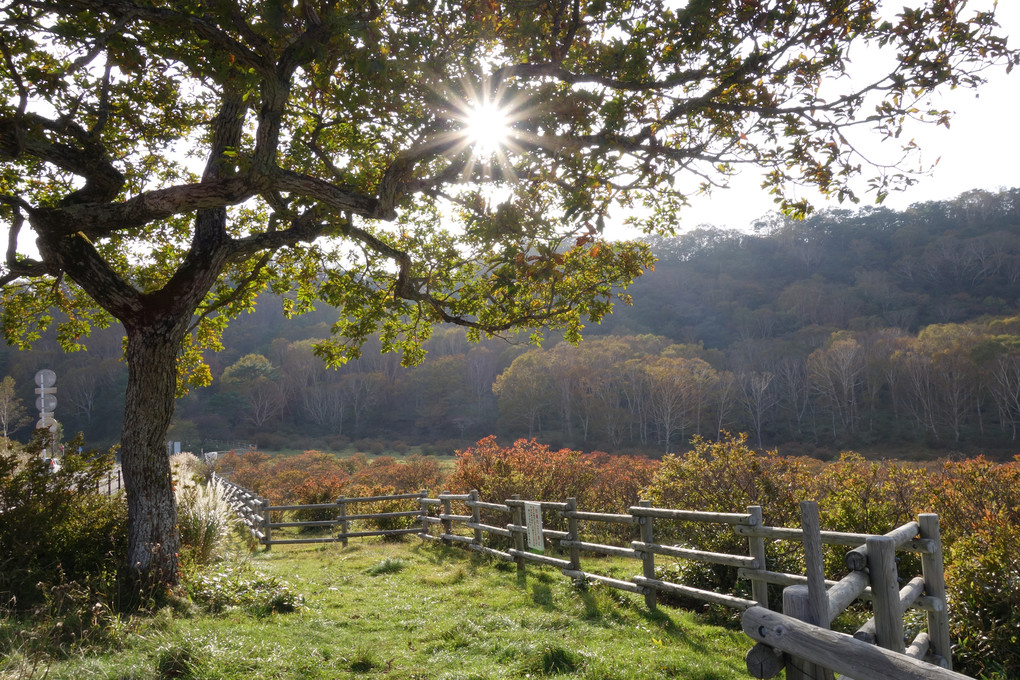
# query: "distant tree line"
{"type": "Point", "coordinates": [872, 327]}
{"type": "Point", "coordinates": [948, 384]}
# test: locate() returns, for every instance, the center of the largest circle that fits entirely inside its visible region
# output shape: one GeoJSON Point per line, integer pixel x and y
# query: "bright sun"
{"type": "Point", "coordinates": [487, 127]}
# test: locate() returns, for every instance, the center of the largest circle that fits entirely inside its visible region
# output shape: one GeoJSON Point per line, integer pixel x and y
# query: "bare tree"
{"type": "Point", "coordinates": [1005, 388]}
{"type": "Point", "coordinates": [266, 400]}
{"type": "Point", "coordinates": [758, 398]}
{"type": "Point", "coordinates": [837, 373]}
{"type": "Point", "coordinates": [12, 411]}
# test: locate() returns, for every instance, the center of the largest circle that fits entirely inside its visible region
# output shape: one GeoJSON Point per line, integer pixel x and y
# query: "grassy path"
{"type": "Point", "coordinates": [376, 610]}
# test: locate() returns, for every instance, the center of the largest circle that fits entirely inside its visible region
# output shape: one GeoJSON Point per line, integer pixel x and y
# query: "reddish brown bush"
{"type": "Point", "coordinates": [599, 481]}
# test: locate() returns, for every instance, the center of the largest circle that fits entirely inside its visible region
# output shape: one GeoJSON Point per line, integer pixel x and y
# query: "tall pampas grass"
{"type": "Point", "coordinates": [204, 519]}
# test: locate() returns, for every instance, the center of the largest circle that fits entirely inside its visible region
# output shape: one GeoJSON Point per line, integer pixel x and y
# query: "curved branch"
{"type": "Point", "coordinates": [100, 44]}
{"type": "Point", "coordinates": [15, 230]}
{"type": "Point", "coordinates": [102, 179]}
{"type": "Point", "coordinates": [98, 220]}
{"type": "Point", "coordinates": [340, 199]}
{"type": "Point", "coordinates": [235, 295]}
{"type": "Point", "coordinates": [551, 70]}
{"type": "Point", "coordinates": [19, 84]}
{"type": "Point", "coordinates": [77, 257]}
{"type": "Point", "coordinates": [26, 269]}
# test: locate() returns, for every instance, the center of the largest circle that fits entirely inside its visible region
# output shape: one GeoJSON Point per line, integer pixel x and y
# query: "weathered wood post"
{"type": "Point", "coordinates": [756, 549]}
{"type": "Point", "coordinates": [808, 603]}
{"type": "Point", "coordinates": [818, 598]}
{"type": "Point", "coordinates": [885, 592]}
{"type": "Point", "coordinates": [932, 568]}
{"type": "Point", "coordinates": [813, 562]}
{"type": "Point", "coordinates": [447, 522]}
{"type": "Point", "coordinates": [422, 495]}
{"type": "Point", "coordinates": [476, 516]}
{"type": "Point", "coordinates": [341, 519]}
{"type": "Point", "coordinates": [574, 535]}
{"type": "Point", "coordinates": [797, 605]}
{"type": "Point", "coordinates": [517, 517]}
{"type": "Point", "coordinates": [267, 529]}
{"type": "Point", "coordinates": [647, 556]}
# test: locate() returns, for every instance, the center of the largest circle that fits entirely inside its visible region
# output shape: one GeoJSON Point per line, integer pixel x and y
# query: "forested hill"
{"type": "Point", "coordinates": [864, 328]}
{"type": "Point", "coordinates": [944, 262]}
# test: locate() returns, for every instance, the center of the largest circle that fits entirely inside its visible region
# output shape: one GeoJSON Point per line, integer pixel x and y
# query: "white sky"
{"type": "Point", "coordinates": [981, 150]}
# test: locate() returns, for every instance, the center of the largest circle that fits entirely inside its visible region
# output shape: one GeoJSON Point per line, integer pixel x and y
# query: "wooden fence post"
{"type": "Point", "coordinates": [423, 494]}
{"type": "Point", "coordinates": [341, 519]}
{"type": "Point", "coordinates": [935, 586]}
{"type": "Point", "coordinates": [476, 516]}
{"type": "Point", "coordinates": [447, 523]}
{"type": "Point", "coordinates": [647, 556]}
{"type": "Point", "coordinates": [756, 549]}
{"type": "Point", "coordinates": [267, 530]}
{"type": "Point", "coordinates": [797, 604]}
{"type": "Point", "coordinates": [517, 518]}
{"type": "Point", "coordinates": [811, 527]}
{"type": "Point", "coordinates": [803, 602]}
{"type": "Point", "coordinates": [885, 591]}
{"type": "Point", "coordinates": [574, 535]}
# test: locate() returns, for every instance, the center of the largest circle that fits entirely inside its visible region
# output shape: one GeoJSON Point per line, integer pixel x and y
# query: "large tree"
{"type": "Point", "coordinates": [174, 158]}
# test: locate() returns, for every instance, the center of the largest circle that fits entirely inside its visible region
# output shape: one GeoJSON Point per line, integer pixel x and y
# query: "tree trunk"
{"type": "Point", "coordinates": [152, 510]}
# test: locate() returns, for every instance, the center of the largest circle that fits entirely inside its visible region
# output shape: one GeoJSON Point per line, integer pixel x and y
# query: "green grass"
{"type": "Point", "coordinates": [408, 610]}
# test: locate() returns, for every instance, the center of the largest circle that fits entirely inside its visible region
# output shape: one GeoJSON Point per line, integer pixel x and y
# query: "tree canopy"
{"type": "Point", "coordinates": [174, 158]}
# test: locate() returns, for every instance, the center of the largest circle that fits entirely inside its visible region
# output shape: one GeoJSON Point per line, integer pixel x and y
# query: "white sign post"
{"type": "Point", "coordinates": [46, 402]}
{"type": "Point", "coordinates": [533, 523]}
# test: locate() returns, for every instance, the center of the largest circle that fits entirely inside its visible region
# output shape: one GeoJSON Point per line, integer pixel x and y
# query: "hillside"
{"type": "Point", "coordinates": [871, 329]}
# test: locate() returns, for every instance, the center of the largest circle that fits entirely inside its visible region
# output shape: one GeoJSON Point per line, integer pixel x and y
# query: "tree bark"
{"type": "Point", "coordinates": [153, 540]}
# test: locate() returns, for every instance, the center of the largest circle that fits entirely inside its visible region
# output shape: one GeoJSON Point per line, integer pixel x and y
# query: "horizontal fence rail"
{"type": "Point", "coordinates": [257, 515]}
{"type": "Point", "coordinates": [810, 598]}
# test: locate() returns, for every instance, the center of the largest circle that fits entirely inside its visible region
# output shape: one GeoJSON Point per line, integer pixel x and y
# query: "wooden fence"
{"type": "Point", "coordinates": [798, 639]}
{"type": "Point", "coordinates": [257, 514]}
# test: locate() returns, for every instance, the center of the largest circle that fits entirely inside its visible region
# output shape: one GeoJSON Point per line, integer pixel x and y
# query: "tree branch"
{"type": "Point", "coordinates": [551, 70]}
{"type": "Point", "coordinates": [242, 287]}
{"type": "Point", "coordinates": [170, 19]}
{"type": "Point", "coordinates": [340, 199]}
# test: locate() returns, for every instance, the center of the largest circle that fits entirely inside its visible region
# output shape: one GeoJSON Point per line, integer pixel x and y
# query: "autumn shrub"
{"type": "Point", "coordinates": [528, 468]}
{"type": "Point", "coordinates": [57, 529]}
{"type": "Point", "coordinates": [316, 490]}
{"type": "Point", "coordinates": [598, 481]}
{"type": "Point", "coordinates": [868, 497]}
{"type": "Point", "coordinates": [983, 583]}
{"type": "Point", "coordinates": [353, 463]}
{"type": "Point", "coordinates": [249, 469]}
{"type": "Point", "coordinates": [978, 503]}
{"type": "Point", "coordinates": [279, 478]}
{"type": "Point", "coordinates": [727, 476]}
{"type": "Point", "coordinates": [620, 480]}
{"type": "Point", "coordinates": [964, 492]}
{"type": "Point", "coordinates": [413, 474]}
